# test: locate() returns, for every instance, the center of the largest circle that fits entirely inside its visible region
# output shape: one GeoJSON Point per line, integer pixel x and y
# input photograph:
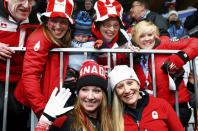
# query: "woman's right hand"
{"type": "Point", "coordinates": [55, 105]}
{"type": "Point", "coordinates": [5, 51]}
{"type": "Point", "coordinates": [133, 48]}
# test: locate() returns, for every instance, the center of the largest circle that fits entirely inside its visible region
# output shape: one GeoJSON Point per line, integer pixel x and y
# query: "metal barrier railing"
{"type": "Point", "coordinates": [109, 52]}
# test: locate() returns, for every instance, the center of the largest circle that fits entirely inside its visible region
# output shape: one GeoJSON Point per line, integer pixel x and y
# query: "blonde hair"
{"type": "Point", "coordinates": [63, 42]}
{"type": "Point", "coordinates": [82, 123]}
{"type": "Point", "coordinates": [117, 113]}
{"type": "Point", "coordinates": [143, 27]}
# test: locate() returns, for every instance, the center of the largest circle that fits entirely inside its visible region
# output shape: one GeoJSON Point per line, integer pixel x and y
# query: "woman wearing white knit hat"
{"type": "Point", "coordinates": [135, 110]}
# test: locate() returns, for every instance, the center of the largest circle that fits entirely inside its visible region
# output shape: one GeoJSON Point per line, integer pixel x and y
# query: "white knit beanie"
{"type": "Point", "coordinates": [172, 12]}
{"type": "Point", "coordinates": [120, 73]}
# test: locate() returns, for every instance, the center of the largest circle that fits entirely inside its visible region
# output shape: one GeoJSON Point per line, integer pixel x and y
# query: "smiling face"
{"type": "Point", "coordinates": [20, 9]}
{"type": "Point", "coordinates": [109, 28]}
{"type": "Point", "coordinates": [128, 92]}
{"type": "Point", "coordinates": [146, 41]}
{"type": "Point", "coordinates": [144, 34]}
{"type": "Point", "coordinates": [90, 99]}
{"type": "Point", "coordinates": [58, 26]}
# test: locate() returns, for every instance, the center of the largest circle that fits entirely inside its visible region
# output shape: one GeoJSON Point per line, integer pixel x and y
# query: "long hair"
{"type": "Point", "coordinates": [63, 42]}
{"type": "Point", "coordinates": [117, 113]}
{"type": "Point", "coordinates": [81, 121]}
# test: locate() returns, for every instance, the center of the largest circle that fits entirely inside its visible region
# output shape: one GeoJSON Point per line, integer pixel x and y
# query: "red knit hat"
{"type": "Point", "coordinates": [59, 8]}
{"type": "Point", "coordinates": [108, 8]}
{"type": "Point", "coordinates": [92, 74]}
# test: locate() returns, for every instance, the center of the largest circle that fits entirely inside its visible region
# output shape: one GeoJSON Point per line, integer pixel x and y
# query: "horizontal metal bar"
{"type": "Point", "coordinates": [101, 50]}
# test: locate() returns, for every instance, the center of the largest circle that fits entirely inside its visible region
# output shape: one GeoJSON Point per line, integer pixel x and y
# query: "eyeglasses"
{"type": "Point", "coordinates": [108, 26]}
{"type": "Point", "coordinates": [31, 2]}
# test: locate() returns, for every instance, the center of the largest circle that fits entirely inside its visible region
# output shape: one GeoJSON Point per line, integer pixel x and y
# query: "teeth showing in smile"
{"type": "Point", "coordinates": [129, 96]}
{"type": "Point", "coordinates": [57, 31]}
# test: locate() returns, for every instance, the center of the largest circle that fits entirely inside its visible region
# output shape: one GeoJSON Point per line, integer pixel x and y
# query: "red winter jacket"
{"type": "Point", "coordinates": [189, 46]}
{"type": "Point", "coordinates": [15, 34]}
{"type": "Point", "coordinates": [157, 115]}
{"type": "Point", "coordinates": [40, 72]}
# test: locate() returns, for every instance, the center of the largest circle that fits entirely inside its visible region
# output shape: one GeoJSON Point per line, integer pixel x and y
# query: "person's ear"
{"type": "Point", "coordinates": [157, 37]}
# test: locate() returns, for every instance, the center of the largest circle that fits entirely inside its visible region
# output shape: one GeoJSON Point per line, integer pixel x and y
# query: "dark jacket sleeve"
{"type": "Point", "coordinates": [191, 21]}
{"type": "Point", "coordinates": [160, 22]}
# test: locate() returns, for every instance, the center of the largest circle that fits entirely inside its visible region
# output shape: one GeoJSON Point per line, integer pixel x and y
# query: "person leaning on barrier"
{"type": "Point", "coordinates": [133, 109]}
{"type": "Point", "coordinates": [146, 36]}
{"type": "Point", "coordinates": [16, 24]}
{"type": "Point", "coordinates": [41, 68]}
{"type": "Point", "coordinates": [90, 111]}
{"type": "Point", "coordinates": [107, 29]}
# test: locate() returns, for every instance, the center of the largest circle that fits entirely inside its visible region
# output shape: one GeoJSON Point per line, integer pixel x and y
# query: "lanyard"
{"type": "Point", "coordinates": [144, 64]}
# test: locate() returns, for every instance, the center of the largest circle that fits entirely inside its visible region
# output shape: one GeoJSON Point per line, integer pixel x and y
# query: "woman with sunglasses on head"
{"type": "Point", "coordinates": [107, 28]}
{"type": "Point", "coordinates": [90, 111]}
{"type": "Point", "coordinates": [136, 110]}
{"type": "Point", "coordinates": [41, 68]}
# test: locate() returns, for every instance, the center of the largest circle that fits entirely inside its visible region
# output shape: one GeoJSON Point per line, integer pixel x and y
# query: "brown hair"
{"type": "Point", "coordinates": [81, 121]}
{"type": "Point", "coordinates": [63, 42]}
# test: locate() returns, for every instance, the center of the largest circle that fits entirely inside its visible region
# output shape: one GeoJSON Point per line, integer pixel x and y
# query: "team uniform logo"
{"type": "Point", "coordinates": [37, 46]}
{"type": "Point", "coordinates": [155, 115]}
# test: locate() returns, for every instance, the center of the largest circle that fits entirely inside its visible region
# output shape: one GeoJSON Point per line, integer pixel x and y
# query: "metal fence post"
{"type": "Point", "coordinates": [6, 95]}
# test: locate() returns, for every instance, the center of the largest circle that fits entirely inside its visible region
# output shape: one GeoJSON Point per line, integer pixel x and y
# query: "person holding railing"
{"type": "Point", "coordinates": [146, 36]}
{"type": "Point", "coordinates": [16, 24]}
{"type": "Point", "coordinates": [135, 110]}
{"type": "Point", "coordinates": [90, 111]}
{"type": "Point", "coordinates": [108, 30]}
{"type": "Point", "coordinates": [41, 69]}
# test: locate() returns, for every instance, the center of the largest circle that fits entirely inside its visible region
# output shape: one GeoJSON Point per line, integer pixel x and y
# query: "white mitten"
{"type": "Point", "coordinates": [56, 103]}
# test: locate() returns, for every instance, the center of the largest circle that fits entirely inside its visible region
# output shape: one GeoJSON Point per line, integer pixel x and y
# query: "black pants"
{"type": "Point", "coordinates": [184, 113]}
{"type": "Point", "coordinates": [17, 114]}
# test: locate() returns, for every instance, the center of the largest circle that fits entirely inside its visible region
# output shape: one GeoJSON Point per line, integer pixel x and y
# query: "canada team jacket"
{"type": "Point", "coordinates": [15, 35]}
{"type": "Point", "coordinates": [153, 114]}
{"type": "Point", "coordinates": [41, 72]}
{"type": "Point", "coordinates": [189, 46]}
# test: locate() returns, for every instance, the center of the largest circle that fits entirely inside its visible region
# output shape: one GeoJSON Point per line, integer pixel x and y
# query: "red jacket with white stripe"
{"type": "Point", "coordinates": [189, 46]}
{"type": "Point", "coordinates": [41, 72]}
{"type": "Point", "coordinates": [14, 34]}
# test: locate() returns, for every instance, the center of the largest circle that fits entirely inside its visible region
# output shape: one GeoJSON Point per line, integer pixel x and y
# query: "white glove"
{"type": "Point", "coordinates": [56, 103]}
